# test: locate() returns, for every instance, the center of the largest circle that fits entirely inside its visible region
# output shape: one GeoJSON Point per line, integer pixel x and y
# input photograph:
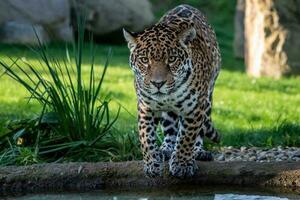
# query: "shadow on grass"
{"type": "Point", "coordinates": [285, 134]}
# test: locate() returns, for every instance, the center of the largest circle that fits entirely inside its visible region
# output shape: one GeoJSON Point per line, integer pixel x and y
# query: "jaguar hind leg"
{"type": "Point", "coordinates": [200, 153]}
{"type": "Point", "coordinates": [208, 130]}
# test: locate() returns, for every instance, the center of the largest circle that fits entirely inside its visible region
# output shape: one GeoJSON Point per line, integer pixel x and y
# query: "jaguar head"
{"type": "Point", "coordinates": [160, 58]}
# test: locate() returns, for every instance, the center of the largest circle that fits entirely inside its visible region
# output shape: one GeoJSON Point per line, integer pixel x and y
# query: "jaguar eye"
{"type": "Point", "coordinates": [172, 59]}
{"type": "Point", "coordinates": [144, 60]}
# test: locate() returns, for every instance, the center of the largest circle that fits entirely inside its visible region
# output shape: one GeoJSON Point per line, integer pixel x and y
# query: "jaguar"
{"type": "Point", "coordinates": [175, 64]}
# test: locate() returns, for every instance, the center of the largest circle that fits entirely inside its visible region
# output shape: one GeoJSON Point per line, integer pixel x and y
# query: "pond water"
{"type": "Point", "coordinates": [178, 193]}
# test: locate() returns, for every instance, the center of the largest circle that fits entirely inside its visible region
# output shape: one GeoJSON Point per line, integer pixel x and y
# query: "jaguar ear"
{"type": "Point", "coordinates": [129, 37]}
{"type": "Point", "coordinates": [187, 36]}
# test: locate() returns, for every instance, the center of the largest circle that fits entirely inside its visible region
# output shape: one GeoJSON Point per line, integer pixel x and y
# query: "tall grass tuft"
{"type": "Point", "coordinates": [75, 117]}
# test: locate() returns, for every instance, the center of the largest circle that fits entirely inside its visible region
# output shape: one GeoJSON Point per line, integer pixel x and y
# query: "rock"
{"type": "Point", "coordinates": [230, 159]}
{"type": "Point", "coordinates": [243, 149]}
{"type": "Point", "coordinates": [52, 15]}
{"type": "Point", "coordinates": [107, 16]}
{"type": "Point", "coordinates": [22, 33]}
{"type": "Point", "coordinates": [238, 158]}
{"type": "Point", "coordinates": [284, 157]}
{"type": "Point", "coordinates": [252, 150]}
{"type": "Point", "coordinates": [290, 154]}
{"type": "Point", "coordinates": [258, 151]}
{"type": "Point", "coordinates": [64, 33]}
{"type": "Point", "coordinates": [270, 155]}
{"type": "Point", "coordinates": [263, 153]}
{"type": "Point", "coordinates": [252, 158]}
{"type": "Point", "coordinates": [251, 154]}
{"type": "Point", "coordinates": [297, 154]}
{"type": "Point", "coordinates": [221, 158]}
{"type": "Point", "coordinates": [239, 29]}
{"type": "Point", "coordinates": [272, 32]}
{"type": "Point", "coordinates": [228, 152]}
{"type": "Point", "coordinates": [296, 159]}
{"type": "Point", "coordinates": [280, 155]}
{"type": "Point", "coordinates": [261, 157]}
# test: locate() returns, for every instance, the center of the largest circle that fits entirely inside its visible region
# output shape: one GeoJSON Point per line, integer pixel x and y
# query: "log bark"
{"type": "Point", "coordinates": [90, 176]}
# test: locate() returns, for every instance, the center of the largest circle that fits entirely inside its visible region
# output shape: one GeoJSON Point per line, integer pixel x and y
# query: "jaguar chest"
{"type": "Point", "coordinates": [183, 101]}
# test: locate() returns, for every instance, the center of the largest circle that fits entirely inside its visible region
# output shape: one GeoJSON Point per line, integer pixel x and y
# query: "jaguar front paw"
{"type": "Point", "coordinates": [166, 151]}
{"type": "Point", "coordinates": [154, 166]}
{"type": "Point", "coordinates": [182, 168]}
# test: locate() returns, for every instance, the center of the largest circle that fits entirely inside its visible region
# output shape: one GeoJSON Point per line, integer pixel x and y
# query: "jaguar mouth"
{"type": "Point", "coordinates": [159, 93]}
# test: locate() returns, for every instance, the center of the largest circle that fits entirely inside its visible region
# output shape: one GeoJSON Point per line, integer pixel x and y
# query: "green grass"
{"type": "Point", "coordinates": [75, 118]}
{"type": "Point", "coordinates": [247, 111]}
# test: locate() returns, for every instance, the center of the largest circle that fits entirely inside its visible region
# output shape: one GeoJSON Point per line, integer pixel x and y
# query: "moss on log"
{"type": "Point", "coordinates": [89, 176]}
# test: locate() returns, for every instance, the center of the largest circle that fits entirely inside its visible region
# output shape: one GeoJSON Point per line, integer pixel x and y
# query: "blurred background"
{"type": "Point", "coordinates": [257, 95]}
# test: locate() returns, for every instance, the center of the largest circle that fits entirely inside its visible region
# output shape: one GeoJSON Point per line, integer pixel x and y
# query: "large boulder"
{"type": "Point", "coordinates": [108, 16]}
{"type": "Point", "coordinates": [51, 15]}
{"type": "Point", "coordinates": [22, 33]}
{"type": "Point", "coordinates": [272, 32]}
{"type": "Point", "coordinates": [239, 39]}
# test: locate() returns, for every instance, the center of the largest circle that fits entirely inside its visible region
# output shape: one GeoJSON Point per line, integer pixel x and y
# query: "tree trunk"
{"type": "Point", "coordinates": [272, 31]}
{"type": "Point", "coordinates": [239, 39]}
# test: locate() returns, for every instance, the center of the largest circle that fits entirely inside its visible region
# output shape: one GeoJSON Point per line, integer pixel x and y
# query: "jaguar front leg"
{"type": "Point", "coordinates": [169, 123]}
{"type": "Point", "coordinates": [153, 159]}
{"type": "Point", "coordinates": [182, 162]}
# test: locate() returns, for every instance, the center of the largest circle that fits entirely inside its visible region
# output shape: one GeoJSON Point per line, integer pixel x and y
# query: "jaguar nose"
{"type": "Point", "coordinates": [158, 84]}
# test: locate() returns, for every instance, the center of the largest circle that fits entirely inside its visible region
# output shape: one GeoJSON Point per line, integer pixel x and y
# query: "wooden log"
{"type": "Point", "coordinates": [90, 176]}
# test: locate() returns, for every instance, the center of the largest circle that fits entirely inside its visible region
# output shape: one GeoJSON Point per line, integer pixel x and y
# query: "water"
{"type": "Point", "coordinates": [124, 197]}
{"type": "Point", "coordinates": [178, 193]}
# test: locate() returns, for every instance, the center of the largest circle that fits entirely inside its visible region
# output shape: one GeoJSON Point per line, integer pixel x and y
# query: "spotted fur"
{"type": "Point", "coordinates": [176, 63]}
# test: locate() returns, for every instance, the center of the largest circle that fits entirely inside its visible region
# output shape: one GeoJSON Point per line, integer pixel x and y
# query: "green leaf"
{"type": "Point", "coordinates": [19, 134]}
{"type": "Point", "coordinates": [50, 118]}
